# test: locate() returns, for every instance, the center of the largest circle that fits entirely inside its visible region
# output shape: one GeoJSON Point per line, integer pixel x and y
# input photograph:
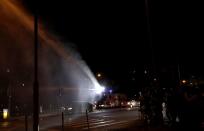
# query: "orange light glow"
{"type": "Point", "coordinates": [184, 81]}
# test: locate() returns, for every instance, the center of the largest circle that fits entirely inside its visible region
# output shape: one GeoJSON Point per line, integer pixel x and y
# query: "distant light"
{"type": "Point", "coordinates": [184, 81]}
{"type": "Point", "coordinates": [23, 84]}
{"type": "Point", "coordinates": [5, 113]}
{"type": "Point", "coordinates": [70, 108]}
{"type": "Point", "coordinates": [133, 103]}
{"type": "Point", "coordinates": [155, 79]}
{"type": "Point", "coordinates": [145, 72]}
{"type": "Point", "coordinates": [110, 91]}
{"type": "Point", "coordinates": [98, 75]}
{"type": "Point", "coordinates": [102, 105]}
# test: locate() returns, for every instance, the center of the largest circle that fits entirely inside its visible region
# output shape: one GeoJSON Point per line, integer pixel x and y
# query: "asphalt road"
{"type": "Point", "coordinates": [109, 119]}
{"type": "Point", "coordinates": [99, 120]}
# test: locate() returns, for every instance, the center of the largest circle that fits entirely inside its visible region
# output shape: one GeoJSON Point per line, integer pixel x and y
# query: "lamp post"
{"type": "Point", "coordinates": [35, 84]}
{"type": "Point", "coordinates": [9, 92]}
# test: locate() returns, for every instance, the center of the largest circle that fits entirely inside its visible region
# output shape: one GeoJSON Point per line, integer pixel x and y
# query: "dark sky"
{"type": "Point", "coordinates": [112, 36]}
{"type": "Point", "coordinates": [109, 35]}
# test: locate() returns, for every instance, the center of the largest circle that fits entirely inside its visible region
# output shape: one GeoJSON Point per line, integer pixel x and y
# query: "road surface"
{"type": "Point", "coordinates": [97, 121]}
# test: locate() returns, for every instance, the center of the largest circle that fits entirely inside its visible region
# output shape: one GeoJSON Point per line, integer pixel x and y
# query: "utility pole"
{"type": "Point", "coordinates": [179, 74]}
{"type": "Point", "coordinates": [36, 84]}
{"type": "Point", "coordinates": [9, 91]}
{"type": "Point", "coordinates": [149, 37]}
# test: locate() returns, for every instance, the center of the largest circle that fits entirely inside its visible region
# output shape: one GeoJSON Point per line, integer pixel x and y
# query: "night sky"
{"type": "Point", "coordinates": [112, 37]}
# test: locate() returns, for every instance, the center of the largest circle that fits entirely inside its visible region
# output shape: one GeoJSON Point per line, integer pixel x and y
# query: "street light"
{"type": "Point", "coordinates": [184, 81]}
{"type": "Point", "coordinates": [5, 113]}
{"type": "Point", "coordinates": [98, 75]}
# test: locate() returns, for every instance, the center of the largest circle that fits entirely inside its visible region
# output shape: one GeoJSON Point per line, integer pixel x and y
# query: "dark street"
{"type": "Point", "coordinates": [101, 65]}
{"type": "Point", "coordinates": [99, 120]}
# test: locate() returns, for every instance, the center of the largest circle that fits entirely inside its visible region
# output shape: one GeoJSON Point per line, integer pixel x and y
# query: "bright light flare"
{"type": "Point", "coordinates": [99, 89]}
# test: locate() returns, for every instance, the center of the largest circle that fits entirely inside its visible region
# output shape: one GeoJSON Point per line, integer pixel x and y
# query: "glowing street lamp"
{"type": "Point", "coordinates": [184, 81]}
{"type": "Point", "coordinates": [5, 114]}
{"type": "Point", "coordinates": [98, 75]}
